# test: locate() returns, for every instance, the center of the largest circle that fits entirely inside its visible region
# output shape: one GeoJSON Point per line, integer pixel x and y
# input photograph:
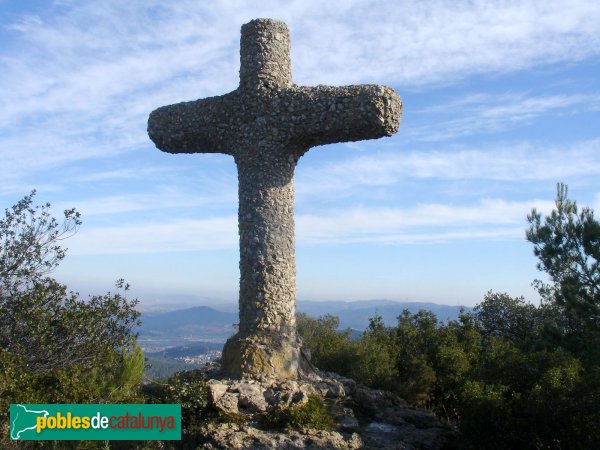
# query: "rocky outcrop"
{"type": "Point", "coordinates": [232, 436]}
{"type": "Point", "coordinates": [364, 418]}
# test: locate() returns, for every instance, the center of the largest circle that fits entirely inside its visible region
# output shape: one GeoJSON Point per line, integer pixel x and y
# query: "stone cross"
{"type": "Point", "coordinates": [267, 124]}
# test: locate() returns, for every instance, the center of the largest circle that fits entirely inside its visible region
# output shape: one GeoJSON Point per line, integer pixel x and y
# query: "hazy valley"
{"type": "Point", "coordinates": [190, 337]}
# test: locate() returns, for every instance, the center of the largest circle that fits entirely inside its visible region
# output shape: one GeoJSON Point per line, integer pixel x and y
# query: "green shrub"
{"type": "Point", "coordinates": [330, 349]}
{"type": "Point", "coordinates": [187, 388]}
{"type": "Point", "coordinates": [312, 414]}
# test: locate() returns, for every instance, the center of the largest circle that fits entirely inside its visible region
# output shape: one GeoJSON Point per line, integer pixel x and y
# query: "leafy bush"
{"type": "Point", "coordinates": [187, 388]}
{"type": "Point", "coordinates": [377, 353]}
{"type": "Point", "coordinates": [312, 414]}
{"type": "Point", "coordinates": [330, 349]}
{"type": "Point", "coordinates": [30, 242]}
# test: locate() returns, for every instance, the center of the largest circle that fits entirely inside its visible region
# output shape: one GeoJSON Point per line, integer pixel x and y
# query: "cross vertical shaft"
{"type": "Point", "coordinates": [266, 344]}
{"type": "Point", "coordinates": [267, 247]}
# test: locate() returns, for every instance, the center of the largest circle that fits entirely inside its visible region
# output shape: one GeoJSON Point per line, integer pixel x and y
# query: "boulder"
{"type": "Point", "coordinates": [251, 396]}
{"type": "Point", "coordinates": [227, 403]}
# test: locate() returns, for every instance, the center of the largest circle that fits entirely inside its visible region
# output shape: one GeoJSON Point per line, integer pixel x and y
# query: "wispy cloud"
{"type": "Point", "coordinates": [510, 162]}
{"type": "Point", "coordinates": [428, 223]}
{"type": "Point", "coordinates": [484, 113]}
{"type": "Point", "coordinates": [425, 42]}
{"type": "Point", "coordinates": [120, 174]}
{"type": "Point", "coordinates": [164, 198]}
{"type": "Point", "coordinates": [425, 223]}
{"type": "Point", "coordinates": [174, 236]}
{"type": "Point", "coordinates": [78, 83]}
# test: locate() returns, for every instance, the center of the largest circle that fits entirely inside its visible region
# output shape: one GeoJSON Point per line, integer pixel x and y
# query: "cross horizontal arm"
{"type": "Point", "coordinates": [200, 126]}
{"type": "Point", "coordinates": [326, 114]}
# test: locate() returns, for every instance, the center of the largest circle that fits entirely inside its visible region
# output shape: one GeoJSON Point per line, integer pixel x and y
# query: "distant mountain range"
{"type": "Point", "coordinates": [199, 321]}
{"type": "Point", "coordinates": [207, 322]}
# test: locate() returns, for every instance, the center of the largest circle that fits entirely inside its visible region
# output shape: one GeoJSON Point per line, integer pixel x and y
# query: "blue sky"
{"type": "Point", "coordinates": [501, 101]}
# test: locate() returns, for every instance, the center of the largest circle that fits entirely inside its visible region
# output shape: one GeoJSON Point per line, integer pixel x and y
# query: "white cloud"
{"type": "Point", "coordinates": [79, 85]}
{"type": "Point", "coordinates": [428, 223]}
{"type": "Point", "coordinates": [423, 42]}
{"type": "Point", "coordinates": [120, 174]}
{"type": "Point", "coordinates": [163, 198]}
{"type": "Point", "coordinates": [481, 113]}
{"type": "Point", "coordinates": [516, 162]}
{"type": "Point", "coordinates": [174, 236]}
{"type": "Point", "coordinates": [425, 223]}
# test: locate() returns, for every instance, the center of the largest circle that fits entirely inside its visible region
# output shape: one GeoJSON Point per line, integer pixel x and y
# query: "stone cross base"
{"type": "Point", "coordinates": [264, 356]}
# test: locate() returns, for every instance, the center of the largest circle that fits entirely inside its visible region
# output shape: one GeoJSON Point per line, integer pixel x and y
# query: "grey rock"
{"type": "Point", "coordinates": [267, 124]}
{"type": "Point", "coordinates": [227, 403]}
{"type": "Point", "coordinates": [369, 400]}
{"type": "Point", "coordinates": [216, 390]}
{"type": "Point", "coordinates": [251, 396]}
{"type": "Point", "coordinates": [300, 396]}
{"type": "Point", "coordinates": [380, 427]}
{"type": "Point", "coordinates": [281, 394]}
{"type": "Point", "coordinates": [331, 388]}
{"type": "Point", "coordinates": [231, 436]}
{"type": "Point", "coordinates": [348, 423]}
{"type": "Point", "coordinates": [420, 418]}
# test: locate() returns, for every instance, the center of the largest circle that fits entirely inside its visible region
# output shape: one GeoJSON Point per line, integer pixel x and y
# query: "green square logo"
{"type": "Point", "coordinates": [95, 422]}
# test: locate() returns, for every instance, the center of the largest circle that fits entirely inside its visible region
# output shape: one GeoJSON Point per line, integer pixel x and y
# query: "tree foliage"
{"type": "Point", "coordinates": [329, 348]}
{"type": "Point", "coordinates": [49, 328]}
{"type": "Point", "coordinates": [504, 317]}
{"type": "Point", "coordinates": [567, 244]}
{"type": "Point", "coordinates": [30, 242]}
{"type": "Point", "coordinates": [56, 347]}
